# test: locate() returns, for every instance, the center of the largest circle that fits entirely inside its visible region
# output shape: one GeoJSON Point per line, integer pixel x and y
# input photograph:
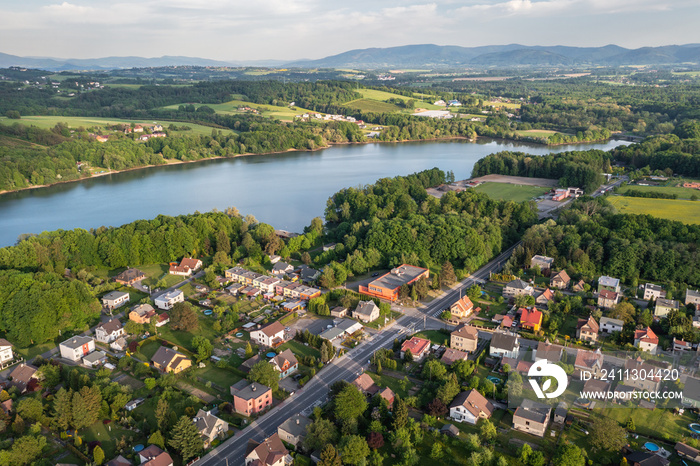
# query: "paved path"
{"type": "Point", "coordinates": [347, 367]}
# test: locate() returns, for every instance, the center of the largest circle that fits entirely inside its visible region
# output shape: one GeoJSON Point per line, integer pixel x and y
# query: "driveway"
{"type": "Point", "coordinates": [315, 325]}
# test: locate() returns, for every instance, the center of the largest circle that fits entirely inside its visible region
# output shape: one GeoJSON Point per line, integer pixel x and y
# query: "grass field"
{"type": "Point", "coordinates": [299, 349]}
{"type": "Point", "coordinates": [155, 272]}
{"type": "Point", "coordinates": [536, 133]}
{"type": "Point", "coordinates": [47, 122]}
{"type": "Point", "coordinates": [682, 193]}
{"type": "Point", "coordinates": [231, 107]}
{"type": "Point", "coordinates": [434, 336]}
{"type": "Point", "coordinates": [375, 101]}
{"type": "Point", "coordinates": [369, 105]}
{"type": "Point", "coordinates": [671, 209]}
{"type": "Point", "coordinates": [506, 105]}
{"type": "Point", "coordinates": [108, 438]}
{"type": "Point", "coordinates": [510, 192]}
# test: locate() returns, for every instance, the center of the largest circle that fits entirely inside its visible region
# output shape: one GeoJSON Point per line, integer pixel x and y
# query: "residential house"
{"type": "Point", "coordinates": [452, 355]}
{"type": "Point", "coordinates": [687, 452]}
{"type": "Point", "coordinates": [387, 286]}
{"type": "Point", "coordinates": [543, 262]}
{"type": "Point", "coordinates": [664, 306]}
{"type": "Point", "coordinates": [680, 345]}
{"type": "Point", "coordinates": [186, 267]}
{"type": "Point", "coordinates": [271, 452]}
{"type": "Point", "coordinates": [142, 313]}
{"type": "Point", "coordinates": [119, 461]}
{"type": "Point", "coordinates": [329, 247]}
{"type": "Point", "coordinates": [560, 280]}
{"type": "Point", "coordinates": [470, 406]}
{"type": "Point", "coordinates": [210, 427]}
{"type": "Point", "coordinates": [596, 389]}
{"type": "Point", "coordinates": [652, 291]}
{"type": "Point", "coordinates": [163, 318]}
{"type": "Point", "coordinates": [506, 322]}
{"type": "Point", "coordinates": [532, 417]}
{"type": "Point", "coordinates": [544, 298]}
{"type": "Point", "coordinates": [365, 384]}
{"type": "Point", "coordinates": [285, 363]}
{"type": "Point", "coordinates": [252, 398]}
{"type": "Point", "coordinates": [133, 404]}
{"type": "Point", "coordinates": [692, 297]}
{"type": "Point", "coordinates": [5, 351]}
{"type": "Point", "coordinates": [530, 319]}
{"type": "Point", "coordinates": [609, 325]}
{"type": "Point", "coordinates": [646, 340]}
{"type": "Point", "coordinates": [24, 377]}
{"type": "Point", "coordinates": [691, 393]}
{"type": "Point", "coordinates": [274, 258]}
{"type": "Point", "coordinates": [465, 338]}
{"type": "Point", "coordinates": [560, 413]}
{"type": "Point", "coordinates": [517, 287]}
{"type": "Point", "coordinates": [115, 299]}
{"type": "Point", "coordinates": [282, 268]}
{"type": "Point", "coordinates": [119, 344]}
{"type": "Point", "coordinates": [167, 300]}
{"type": "Point", "coordinates": [419, 348]}
{"type": "Point", "coordinates": [590, 362]}
{"type": "Point", "coordinates": [293, 430]}
{"type": "Point", "coordinates": [129, 277]}
{"type": "Point", "coordinates": [168, 360]}
{"type": "Point", "coordinates": [339, 311]}
{"type": "Point", "coordinates": [107, 332]}
{"type": "Point", "coordinates": [388, 395]}
{"type": "Point", "coordinates": [76, 348]}
{"type": "Point", "coordinates": [154, 456]}
{"type": "Point", "coordinates": [608, 283]}
{"type": "Point", "coordinates": [308, 274]}
{"type": "Point", "coordinates": [646, 458]}
{"type": "Point", "coordinates": [587, 329]}
{"type": "Point", "coordinates": [345, 327]}
{"type": "Point", "coordinates": [366, 311]}
{"type": "Point", "coordinates": [504, 345]}
{"type": "Point", "coordinates": [271, 335]}
{"type": "Point", "coordinates": [249, 363]}
{"type": "Point", "coordinates": [462, 308]}
{"type": "Point", "coordinates": [608, 299]}
{"type": "Point", "coordinates": [6, 406]}
{"type": "Point", "coordinates": [548, 351]}
{"type": "Point", "coordinates": [653, 375]}
{"type": "Point", "coordinates": [579, 286]}
{"type": "Point", "coordinates": [95, 359]}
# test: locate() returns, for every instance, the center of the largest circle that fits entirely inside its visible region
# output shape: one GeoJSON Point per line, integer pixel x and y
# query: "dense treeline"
{"type": "Point", "coordinates": [582, 169]}
{"type": "Point", "coordinates": [397, 221]}
{"type": "Point", "coordinates": [35, 307]}
{"type": "Point", "coordinates": [650, 194]}
{"type": "Point", "coordinates": [669, 152]}
{"type": "Point", "coordinates": [590, 240]}
{"type": "Point", "coordinates": [403, 127]}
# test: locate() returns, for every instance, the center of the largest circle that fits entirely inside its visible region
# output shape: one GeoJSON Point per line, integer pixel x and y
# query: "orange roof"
{"type": "Point", "coordinates": [464, 305]}
{"type": "Point", "coordinates": [530, 317]}
{"type": "Point", "coordinates": [646, 336]}
{"type": "Point", "coordinates": [189, 262]}
{"type": "Point", "coordinates": [547, 294]}
{"type": "Point", "coordinates": [507, 322]}
{"type": "Point", "coordinates": [416, 345]}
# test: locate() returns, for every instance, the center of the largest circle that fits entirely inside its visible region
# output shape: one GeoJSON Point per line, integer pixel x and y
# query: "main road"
{"type": "Point", "coordinates": [347, 367]}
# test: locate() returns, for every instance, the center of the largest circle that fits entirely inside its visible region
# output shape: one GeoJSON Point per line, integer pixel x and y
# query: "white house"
{"type": "Point", "coordinates": [504, 345]}
{"type": "Point", "coordinates": [115, 299]}
{"type": "Point", "coordinates": [107, 332]}
{"type": "Point", "coordinates": [609, 325]}
{"type": "Point", "coordinates": [167, 300]}
{"type": "Point", "coordinates": [77, 347]}
{"type": "Point", "coordinates": [5, 351]}
{"type": "Point", "coordinates": [470, 407]}
{"type": "Point", "coordinates": [652, 291]}
{"type": "Point", "coordinates": [271, 335]}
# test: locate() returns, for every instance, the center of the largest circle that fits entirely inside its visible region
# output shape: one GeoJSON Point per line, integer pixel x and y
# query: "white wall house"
{"type": "Point", "coordinates": [169, 299]}
{"type": "Point", "coordinates": [77, 347]}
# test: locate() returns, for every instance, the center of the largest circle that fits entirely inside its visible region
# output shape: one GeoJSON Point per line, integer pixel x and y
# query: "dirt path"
{"type": "Point", "coordinates": [202, 395]}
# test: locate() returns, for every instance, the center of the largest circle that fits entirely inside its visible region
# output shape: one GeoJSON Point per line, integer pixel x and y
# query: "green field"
{"type": "Point", "coordinates": [369, 105]}
{"type": "Point", "coordinates": [671, 209]}
{"type": "Point", "coordinates": [510, 192]}
{"type": "Point", "coordinates": [47, 122]}
{"type": "Point", "coordinates": [507, 105]}
{"type": "Point", "coordinates": [375, 101]}
{"type": "Point", "coordinates": [682, 193]}
{"type": "Point", "coordinates": [299, 349]}
{"type": "Point", "coordinates": [231, 107]}
{"type": "Point", "coordinates": [536, 133]}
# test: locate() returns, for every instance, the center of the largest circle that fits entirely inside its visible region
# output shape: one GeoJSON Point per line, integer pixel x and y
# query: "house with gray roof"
{"type": "Point", "coordinates": [692, 297]}
{"type": "Point", "coordinates": [608, 283]}
{"type": "Point", "coordinates": [664, 306]}
{"type": "Point", "coordinates": [504, 345]}
{"type": "Point", "coordinates": [210, 427]}
{"type": "Point", "coordinates": [77, 347]}
{"type": "Point", "coordinates": [366, 311]}
{"type": "Point", "coordinates": [609, 325]}
{"type": "Point", "coordinates": [517, 287]}
{"type": "Point", "coordinates": [108, 332]}
{"type": "Point", "coordinates": [532, 417]}
{"type": "Point", "coordinates": [115, 299]}
{"type": "Point", "coordinates": [293, 430]}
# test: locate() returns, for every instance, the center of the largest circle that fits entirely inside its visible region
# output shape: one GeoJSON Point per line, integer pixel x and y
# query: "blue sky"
{"type": "Point", "coordinates": [293, 29]}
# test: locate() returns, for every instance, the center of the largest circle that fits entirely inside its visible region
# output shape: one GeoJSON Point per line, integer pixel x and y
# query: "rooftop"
{"type": "Point", "coordinates": [604, 280]}
{"type": "Point", "coordinates": [398, 276]}
{"type": "Point", "coordinates": [252, 391]}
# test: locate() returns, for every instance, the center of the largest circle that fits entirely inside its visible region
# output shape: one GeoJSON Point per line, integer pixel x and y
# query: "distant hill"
{"type": "Point", "coordinates": [431, 56]}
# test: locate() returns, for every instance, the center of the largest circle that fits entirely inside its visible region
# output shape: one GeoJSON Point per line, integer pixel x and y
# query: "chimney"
{"type": "Point", "coordinates": [253, 387]}
{"type": "Point", "coordinates": [297, 421]}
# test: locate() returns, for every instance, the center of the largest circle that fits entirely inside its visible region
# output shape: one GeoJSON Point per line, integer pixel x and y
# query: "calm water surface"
{"type": "Point", "coordinates": [284, 190]}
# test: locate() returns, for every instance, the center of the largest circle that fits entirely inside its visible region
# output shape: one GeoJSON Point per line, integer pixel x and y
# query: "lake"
{"type": "Point", "coordinates": [285, 190]}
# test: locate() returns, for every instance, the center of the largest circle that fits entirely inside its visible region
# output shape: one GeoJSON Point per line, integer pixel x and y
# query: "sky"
{"type": "Point", "coordinates": [247, 30]}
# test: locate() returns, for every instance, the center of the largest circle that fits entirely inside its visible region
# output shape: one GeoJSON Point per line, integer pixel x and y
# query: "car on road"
{"type": "Point", "coordinates": [375, 274]}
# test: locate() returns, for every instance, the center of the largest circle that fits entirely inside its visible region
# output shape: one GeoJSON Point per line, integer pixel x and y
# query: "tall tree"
{"type": "Point", "coordinates": [157, 439]}
{"type": "Point", "coordinates": [162, 414]}
{"type": "Point", "coordinates": [353, 449]}
{"type": "Point", "coordinates": [320, 433]}
{"type": "Point", "coordinates": [329, 457]}
{"type": "Point", "coordinates": [183, 317]}
{"type": "Point", "coordinates": [185, 439]}
{"type": "Point", "coordinates": [400, 411]}
{"type": "Point", "coordinates": [447, 274]}
{"type": "Point", "coordinates": [350, 403]}
{"type": "Point", "coordinates": [263, 373]}
{"type": "Point", "coordinates": [607, 434]}
{"type": "Point", "coordinates": [87, 403]}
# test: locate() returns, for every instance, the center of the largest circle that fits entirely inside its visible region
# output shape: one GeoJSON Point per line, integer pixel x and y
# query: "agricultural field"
{"type": "Point", "coordinates": [681, 192]}
{"type": "Point", "coordinates": [670, 209]}
{"type": "Point", "coordinates": [369, 105]}
{"type": "Point", "coordinates": [506, 105]}
{"type": "Point", "coordinates": [375, 101]}
{"type": "Point", "coordinates": [230, 108]}
{"type": "Point", "coordinates": [511, 192]}
{"type": "Point", "coordinates": [47, 122]}
{"type": "Point", "coordinates": [536, 133]}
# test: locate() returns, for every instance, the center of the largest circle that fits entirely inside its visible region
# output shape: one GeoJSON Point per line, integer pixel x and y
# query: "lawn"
{"type": "Point", "coordinates": [380, 320]}
{"type": "Point", "coordinates": [33, 351]}
{"type": "Point", "coordinates": [536, 133]}
{"type": "Point", "coordinates": [147, 350]}
{"type": "Point", "coordinates": [231, 108]}
{"type": "Point", "coordinates": [108, 438]}
{"type": "Point", "coordinates": [682, 193]}
{"type": "Point", "coordinates": [222, 377]}
{"type": "Point", "coordinates": [507, 105]}
{"type": "Point", "coordinates": [184, 339]}
{"type": "Point", "coordinates": [47, 122]}
{"type": "Point", "coordinates": [299, 348]}
{"type": "Point", "coordinates": [435, 336]}
{"type": "Point", "coordinates": [384, 380]}
{"type": "Point", "coordinates": [510, 192]}
{"type": "Point", "coordinates": [660, 423]}
{"type": "Point", "coordinates": [683, 211]}
{"type": "Point", "coordinates": [155, 272]}
{"type": "Point", "coordinates": [369, 105]}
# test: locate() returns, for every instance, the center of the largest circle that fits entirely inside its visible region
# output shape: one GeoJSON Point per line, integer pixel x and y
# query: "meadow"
{"type": "Point", "coordinates": [231, 107]}
{"type": "Point", "coordinates": [511, 192]}
{"type": "Point", "coordinates": [671, 209]}
{"type": "Point", "coordinates": [682, 193]}
{"type": "Point", "coordinates": [536, 133]}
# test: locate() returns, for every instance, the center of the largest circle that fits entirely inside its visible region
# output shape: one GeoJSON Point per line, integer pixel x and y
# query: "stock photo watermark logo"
{"type": "Point", "coordinates": [545, 370]}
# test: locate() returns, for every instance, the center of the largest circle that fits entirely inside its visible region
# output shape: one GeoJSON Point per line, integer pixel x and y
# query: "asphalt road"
{"type": "Point", "coordinates": [347, 368]}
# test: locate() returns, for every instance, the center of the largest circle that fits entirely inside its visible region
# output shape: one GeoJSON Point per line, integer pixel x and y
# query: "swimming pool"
{"type": "Point", "coordinates": [695, 427]}
{"type": "Point", "coordinates": [651, 446]}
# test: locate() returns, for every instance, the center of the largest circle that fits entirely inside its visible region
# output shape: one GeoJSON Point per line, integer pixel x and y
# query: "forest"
{"type": "Point", "coordinates": [582, 169]}
{"type": "Point", "coordinates": [590, 240]}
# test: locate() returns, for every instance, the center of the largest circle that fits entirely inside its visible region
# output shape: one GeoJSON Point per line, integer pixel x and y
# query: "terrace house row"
{"type": "Point", "coordinates": [270, 285]}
